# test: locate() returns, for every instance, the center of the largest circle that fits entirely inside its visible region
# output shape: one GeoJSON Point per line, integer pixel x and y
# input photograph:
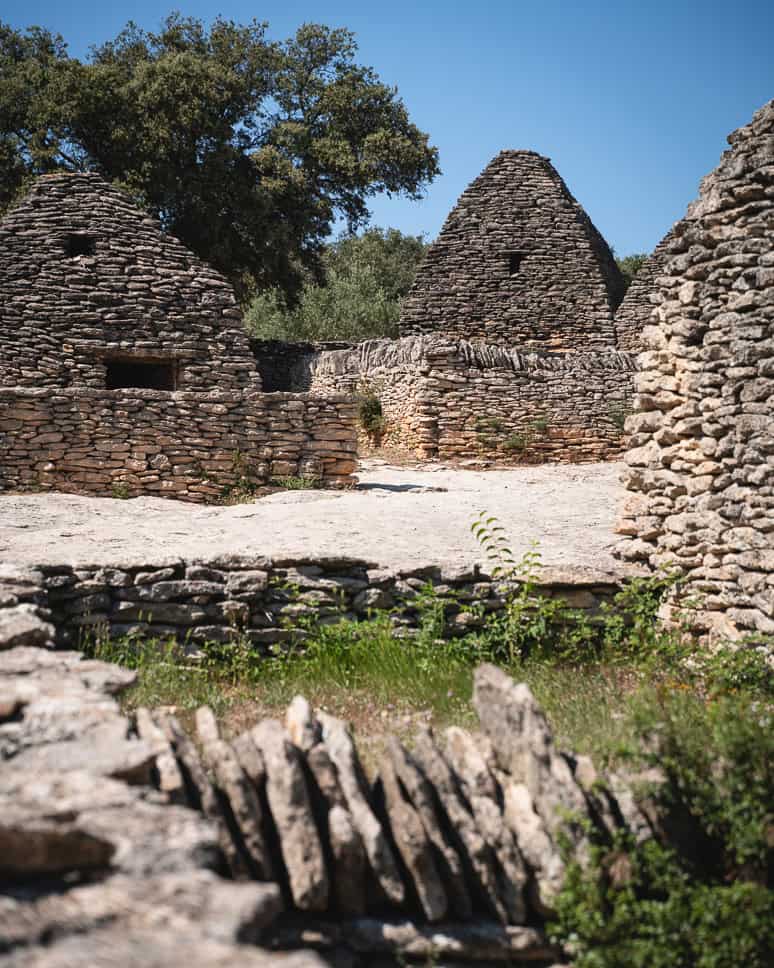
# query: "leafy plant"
{"type": "Point", "coordinates": [369, 412]}
{"type": "Point", "coordinates": [515, 442]}
{"type": "Point", "coordinates": [120, 490]}
{"type": "Point", "coordinates": [294, 483]}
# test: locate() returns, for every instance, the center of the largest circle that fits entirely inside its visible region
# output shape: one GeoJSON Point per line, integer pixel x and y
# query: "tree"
{"type": "Point", "coordinates": [246, 149]}
{"type": "Point", "coordinates": [365, 277]}
{"type": "Point", "coordinates": [630, 265]}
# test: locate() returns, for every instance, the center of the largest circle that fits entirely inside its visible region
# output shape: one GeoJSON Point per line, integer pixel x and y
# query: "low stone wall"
{"type": "Point", "coordinates": [189, 446]}
{"type": "Point", "coordinates": [271, 602]}
{"type": "Point", "coordinates": [121, 834]}
{"type": "Point", "coordinates": [452, 399]}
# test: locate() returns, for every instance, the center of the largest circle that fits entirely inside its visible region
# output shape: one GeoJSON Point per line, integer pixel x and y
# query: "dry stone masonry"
{"type": "Point", "coordinates": [125, 364]}
{"type": "Point", "coordinates": [123, 835]}
{"type": "Point", "coordinates": [701, 458]}
{"type": "Point", "coordinates": [454, 399]}
{"type": "Point", "coordinates": [265, 603]}
{"type": "Point", "coordinates": [518, 262]}
{"type": "Point", "coordinates": [508, 350]}
{"type": "Point", "coordinates": [635, 312]}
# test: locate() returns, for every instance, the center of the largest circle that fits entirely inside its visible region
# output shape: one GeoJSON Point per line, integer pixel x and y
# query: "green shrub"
{"type": "Point", "coordinates": [701, 894]}
{"type": "Point", "coordinates": [369, 413]}
{"type": "Point", "coordinates": [515, 442]}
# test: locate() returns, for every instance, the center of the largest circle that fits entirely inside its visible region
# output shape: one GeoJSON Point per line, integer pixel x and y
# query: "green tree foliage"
{"type": "Point", "coordinates": [365, 277]}
{"type": "Point", "coordinates": [630, 265]}
{"type": "Point", "coordinates": [246, 149]}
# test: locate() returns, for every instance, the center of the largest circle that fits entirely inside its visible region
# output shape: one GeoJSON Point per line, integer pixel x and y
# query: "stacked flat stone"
{"type": "Point", "coordinates": [99, 868]}
{"type": "Point", "coordinates": [639, 303]}
{"type": "Point", "coordinates": [701, 463]}
{"type": "Point", "coordinates": [517, 261]}
{"type": "Point", "coordinates": [139, 292]}
{"type": "Point", "coordinates": [87, 280]}
{"type": "Point", "coordinates": [454, 399]}
{"type": "Point", "coordinates": [250, 599]}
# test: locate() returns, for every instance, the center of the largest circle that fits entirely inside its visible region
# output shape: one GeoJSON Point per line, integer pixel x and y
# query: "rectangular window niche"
{"type": "Point", "coordinates": [131, 373]}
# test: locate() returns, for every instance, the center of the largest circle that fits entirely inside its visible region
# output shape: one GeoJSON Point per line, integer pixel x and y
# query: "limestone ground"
{"type": "Point", "coordinates": [397, 517]}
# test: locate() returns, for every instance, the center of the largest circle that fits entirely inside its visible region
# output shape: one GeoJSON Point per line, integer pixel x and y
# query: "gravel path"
{"type": "Point", "coordinates": [397, 518]}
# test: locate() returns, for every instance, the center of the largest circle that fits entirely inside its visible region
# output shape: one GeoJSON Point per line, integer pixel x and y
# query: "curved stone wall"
{"type": "Point", "coordinates": [701, 458]}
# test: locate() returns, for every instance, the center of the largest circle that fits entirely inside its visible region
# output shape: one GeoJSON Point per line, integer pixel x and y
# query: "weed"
{"type": "Point", "coordinates": [618, 414]}
{"type": "Point", "coordinates": [369, 412]}
{"type": "Point", "coordinates": [120, 490]}
{"type": "Point", "coordinates": [291, 483]}
{"type": "Point", "coordinates": [515, 443]}
{"type": "Point", "coordinates": [539, 426]}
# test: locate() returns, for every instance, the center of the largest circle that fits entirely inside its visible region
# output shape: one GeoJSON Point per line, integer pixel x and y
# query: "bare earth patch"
{"type": "Point", "coordinates": [397, 517]}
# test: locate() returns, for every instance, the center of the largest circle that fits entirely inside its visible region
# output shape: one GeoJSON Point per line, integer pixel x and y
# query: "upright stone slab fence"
{"type": "Point", "coordinates": [701, 460]}
{"type": "Point", "coordinates": [122, 834]}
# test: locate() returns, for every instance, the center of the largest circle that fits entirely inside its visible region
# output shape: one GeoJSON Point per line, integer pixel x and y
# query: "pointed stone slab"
{"type": "Point", "coordinates": [413, 845]}
{"type": "Point", "coordinates": [169, 778]}
{"type": "Point", "coordinates": [238, 791]}
{"type": "Point", "coordinates": [291, 810]}
{"type": "Point", "coordinates": [423, 799]}
{"type": "Point", "coordinates": [250, 760]}
{"type": "Point", "coordinates": [350, 863]}
{"type": "Point", "coordinates": [200, 790]}
{"type": "Point", "coordinates": [342, 752]}
{"type": "Point", "coordinates": [473, 846]}
{"type": "Point", "coordinates": [535, 844]}
{"type": "Point", "coordinates": [524, 747]}
{"type": "Point", "coordinates": [482, 793]}
{"type": "Point", "coordinates": [303, 727]}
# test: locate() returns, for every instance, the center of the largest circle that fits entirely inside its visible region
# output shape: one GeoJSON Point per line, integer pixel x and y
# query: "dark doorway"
{"type": "Point", "coordinates": [141, 374]}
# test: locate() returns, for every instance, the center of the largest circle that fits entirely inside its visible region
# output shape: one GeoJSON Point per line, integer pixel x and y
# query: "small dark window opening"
{"type": "Point", "coordinates": [515, 260]}
{"type": "Point", "coordinates": [79, 243]}
{"type": "Point", "coordinates": [141, 374]}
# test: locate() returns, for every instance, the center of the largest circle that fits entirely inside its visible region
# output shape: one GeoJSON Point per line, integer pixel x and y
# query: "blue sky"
{"type": "Point", "coordinates": [631, 101]}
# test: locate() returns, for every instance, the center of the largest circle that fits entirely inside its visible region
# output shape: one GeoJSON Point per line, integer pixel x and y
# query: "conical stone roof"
{"type": "Point", "coordinates": [85, 275]}
{"type": "Point", "coordinates": [519, 262]}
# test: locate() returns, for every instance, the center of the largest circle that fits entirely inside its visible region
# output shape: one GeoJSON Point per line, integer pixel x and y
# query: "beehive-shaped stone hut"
{"type": "Point", "coordinates": [635, 312]}
{"type": "Point", "coordinates": [94, 294]}
{"type": "Point", "coordinates": [518, 262]}
{"type": "Point", "coordinates": [124, 366]}
{"type": "Point", "coordinates": [701, 463]}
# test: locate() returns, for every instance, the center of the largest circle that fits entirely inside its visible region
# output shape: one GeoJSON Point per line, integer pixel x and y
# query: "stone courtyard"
{"type": "Point", "coordinates": [396, 518]}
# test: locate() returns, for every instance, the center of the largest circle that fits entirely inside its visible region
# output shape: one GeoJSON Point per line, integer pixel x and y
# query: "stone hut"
{"type": "Point", "coordinates": [701, 459]}
{"type": "Point", "coordinates": [634, 313]}
{"type": "Point", "coordinates": [124, 364]}
{"type": "Point", "coordinates": [94, 294]}
{"type": "Point", "coordinates": [518, 262]}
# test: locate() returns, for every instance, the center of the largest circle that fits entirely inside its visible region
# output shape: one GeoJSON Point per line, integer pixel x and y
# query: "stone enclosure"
{"type": "Point", "coordinates": [508, 348]}
{"type": "Point", "coordinates": [125, 365]}
{"type": "Point", "coordinates": [701, 449]}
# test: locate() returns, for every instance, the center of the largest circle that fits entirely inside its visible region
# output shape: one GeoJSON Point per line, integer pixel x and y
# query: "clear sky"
{"type": "Point", "coordinates": [632, 101]}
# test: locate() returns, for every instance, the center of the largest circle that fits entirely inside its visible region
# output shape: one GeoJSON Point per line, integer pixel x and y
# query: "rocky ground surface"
{"type": "Point", "coordinates": [398, 517]}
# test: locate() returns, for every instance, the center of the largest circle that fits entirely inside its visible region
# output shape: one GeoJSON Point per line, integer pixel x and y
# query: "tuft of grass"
{"type": "Point", "coordinates": [292, 483]}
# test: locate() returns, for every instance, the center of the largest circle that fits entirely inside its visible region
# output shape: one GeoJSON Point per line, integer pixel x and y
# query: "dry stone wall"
{"type": "Point", "coordinates": [452, 399]}
{"type": "Point", "coordinates": [518, 262]}
{"type": "Point", "coordinates": [701, 458]}
{"type": "Point", "coordinates": [183, 445]}
{"type": "Point", "coordinates": [267, 603]}
{"type": "Point", "coordinates": [124, 365]}
{"type": "Point", "coordinates": [122, 835]}
{"type": "Point", "coordinates": [638, 306]}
